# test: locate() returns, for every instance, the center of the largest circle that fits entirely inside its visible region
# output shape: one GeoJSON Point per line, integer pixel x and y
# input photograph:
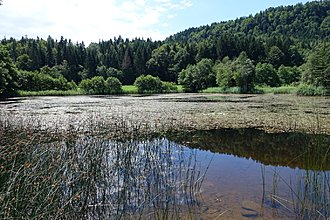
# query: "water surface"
{"type": "Point", "coordinates": [224, 174]}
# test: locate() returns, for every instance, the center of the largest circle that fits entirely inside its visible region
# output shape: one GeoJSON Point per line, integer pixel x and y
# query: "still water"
{"type": "Point", "coordinates": [253, 174]}
{"type": "Point", "coordinates": [219, 174]}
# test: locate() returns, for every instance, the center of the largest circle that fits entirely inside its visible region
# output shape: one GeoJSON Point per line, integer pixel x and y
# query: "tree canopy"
{"type": "Point", "coordinates": [8, 73]}
{"type": "Point", "coordinates": [273, 47]}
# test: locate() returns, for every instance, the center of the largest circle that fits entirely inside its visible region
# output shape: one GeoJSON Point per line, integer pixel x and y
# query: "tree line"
{"type": "Point", "coordinates": [278, 46]}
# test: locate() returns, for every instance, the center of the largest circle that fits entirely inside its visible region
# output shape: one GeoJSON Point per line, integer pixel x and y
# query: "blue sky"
{"type": "Point", "coordinates": [90, 21]}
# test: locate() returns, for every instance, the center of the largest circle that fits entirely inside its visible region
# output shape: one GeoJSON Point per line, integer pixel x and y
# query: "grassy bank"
{"type": "Point", "coordinates": [126, 89]}
{"type": "Point", "coordinates": [302, 90]}
{"type": "Point", "coordinates": [278, 90]}
{"type": "Point", "coordinates": [51, 93]}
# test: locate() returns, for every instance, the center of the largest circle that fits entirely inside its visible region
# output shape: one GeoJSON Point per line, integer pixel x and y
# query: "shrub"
{"type": "Point", "coordinates": [148, 84]}
{"type": "Point", "coordinates": [113, 85]}
{"type": "Point", "coordinates": [266, 75]}
{"type": "Point", "coordinates": [169, 87]}
{"type": "Point", "coordinates": [289, 75]}
{"type": "Point", "coordinates": [198, 77]}
{"type": "Point", "coordinates": [239, 72]}
{"type": "Point", "coordinates": [310, 90]}
{"type": "Point", "coordinates": [95, 85]}
{"type": "Point", "coordinates": [34, 81]}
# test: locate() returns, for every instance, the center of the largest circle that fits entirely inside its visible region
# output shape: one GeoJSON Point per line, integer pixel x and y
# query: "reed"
{"type": "Point", "coordinates": [49, 175]}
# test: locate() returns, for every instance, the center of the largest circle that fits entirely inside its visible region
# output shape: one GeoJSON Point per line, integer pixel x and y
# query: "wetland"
{"type": "Point", "coordinates": [174, 156]}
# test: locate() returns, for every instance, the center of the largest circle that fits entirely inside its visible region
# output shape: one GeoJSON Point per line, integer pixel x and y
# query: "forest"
{"type": "Point", "coordinates": [282, 46]}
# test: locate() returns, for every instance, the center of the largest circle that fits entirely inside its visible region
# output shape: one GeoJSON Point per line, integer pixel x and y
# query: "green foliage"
{"type": "Point", "coordinates": [275, 56]}
{"type": "Point", "coordinates": [129, 89]}
{"type": "Point", "coordinates": [289, 75]}
{"type": "Point", "coordinates": [266, 75]}
{"type": "Point", "coordinates": [224, 90]}
{"type": "Point", "coordinates": [301, 21]}
{"type": "Point", "coordinates": [224, 73]}
{"type": "Point", "coordinates": [169, 87]}
{"type": "Point", "coordinates": [24, 62]}
{"type": "Point", "coordinates": [198, 77]}
{"type": "Point", "coordinates": [113, 85]}
{"type": "Point", "coordinates": [148, 84]}
{"type": "Point", "coordinates": [317, 68]}
{"type": "Point", "coordinates": [95, 85]}
{"type": "Point", "coordinates": [283, 37]}
{"type": "Point", "coordinates": [51, 93]}
{"type": "Point", "coordinates": [8, 74]}
{"type": "Point", "coordinates": [244, 73]}
{"type": "Point", "coordinates": [34, 81]}
{"type": "Point", "coordinates": [310, 90]}
{"type": "Point", "coordinates": [239, 72]}
{"type": "Point", "coordinates": [278, 90]}
{"type": "Point", "coordinates": [109, 72]}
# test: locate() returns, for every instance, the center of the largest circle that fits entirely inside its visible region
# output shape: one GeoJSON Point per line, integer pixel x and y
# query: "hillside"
{"type": "Point", "coordinates": [310, 21]}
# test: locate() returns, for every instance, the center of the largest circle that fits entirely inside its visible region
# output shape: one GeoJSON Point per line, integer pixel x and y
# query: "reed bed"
{"type": "Point", "coordinates": [48, 175]}
{"type": "Point", "coordinates": [308, 192]}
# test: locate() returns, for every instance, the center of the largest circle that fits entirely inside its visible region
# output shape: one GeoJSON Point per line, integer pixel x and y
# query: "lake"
{"type": "Point", "coordinates": [165, 157]}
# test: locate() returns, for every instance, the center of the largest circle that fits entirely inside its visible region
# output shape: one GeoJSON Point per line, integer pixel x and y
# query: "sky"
{"type": "Point", "coordinates": [94, 20]}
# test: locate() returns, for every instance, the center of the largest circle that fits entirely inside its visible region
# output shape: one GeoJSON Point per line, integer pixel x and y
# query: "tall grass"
{"type": "Point", "coordinates": [278, 90]}
{"type": "Point", "coordinates": [309, 90]}
{"type": "Point", "coordinates": [44, 175]}
{"type": "Point", "coordinates": [51, 93]}
{"type": "Point", "coordinates": [309, 189]}
{"type": "Point", "coordinates": [225, 90]}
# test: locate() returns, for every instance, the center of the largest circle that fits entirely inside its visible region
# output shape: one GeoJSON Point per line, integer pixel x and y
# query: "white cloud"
{"type": "Point", "coordinates": [83, 20]}
{"type": "Point", "coordinates": [170, 16]}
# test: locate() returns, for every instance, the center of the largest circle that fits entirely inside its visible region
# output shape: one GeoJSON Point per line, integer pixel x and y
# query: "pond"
{"type": "Point", "coordinates": [186, 156]}
{"type": "Point", "coordinates": [232, 174]}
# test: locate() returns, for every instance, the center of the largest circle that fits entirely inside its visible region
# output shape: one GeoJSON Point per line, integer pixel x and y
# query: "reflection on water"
{"type": "Point", "coordinates": [225, 174]}
{"type": "Point", "coordinates": [299, 150]}
{"type": "Point", "coordinates": [152, 178]}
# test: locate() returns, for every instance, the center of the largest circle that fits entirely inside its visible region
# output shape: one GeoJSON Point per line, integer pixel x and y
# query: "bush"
{"type": "Point", "coordinates": [169, 87]}
{"type": "Point", "coordinates": [223, 90]}
{"type": "Point", "coordinates": [34, 81]}
{"type": "Point", "coordinates": [266, 75]}
{"type": "Point", "coordinates": [310, 90]}
{"type": "Point", "coordinates": [289, 75]}
{"type": "Point", "coordinates": [95, 85]}
{"type": "Point", "coordinates": [148, 84]}
{"type": "Point", "coordinates": [198, 77]}
{"type": "Point", "coordinates": [239, 72]}
{"type": "Point", "coordinates": [113, 85]}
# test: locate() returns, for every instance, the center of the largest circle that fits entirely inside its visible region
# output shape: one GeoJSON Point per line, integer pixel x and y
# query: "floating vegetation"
{"type": "Point", "coordinates": [119, 158]}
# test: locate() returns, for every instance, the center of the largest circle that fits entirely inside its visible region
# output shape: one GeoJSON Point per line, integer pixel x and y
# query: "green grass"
{"type": "Point", "coordinates": [278, 90]}
{"type": "Point", "coordinates": [231, 90]}
{"type": "Point", "coordinates": [309, 90]}
{"type": "Point", "coordinates": [257, 90]}
{"type": "Point", "coordinates": [51, 93]}
{"type": "Point", "coordinates": [304, 90]}
{"type": "Point", "coordinates": [129, 89]}
{"type": "Point", "coordinates": [180, 88]}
